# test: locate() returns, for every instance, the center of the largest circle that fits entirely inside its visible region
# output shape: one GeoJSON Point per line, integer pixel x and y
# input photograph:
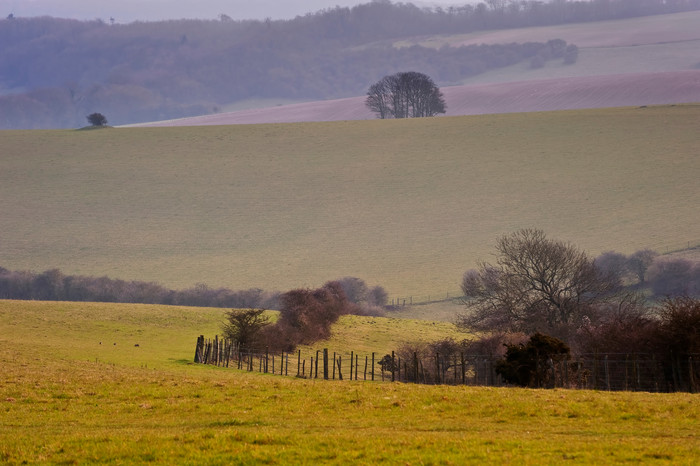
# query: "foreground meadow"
{"type": "Point", "coordinates": [68, 397]}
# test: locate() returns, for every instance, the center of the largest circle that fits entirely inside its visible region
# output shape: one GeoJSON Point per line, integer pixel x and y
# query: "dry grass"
{"type": "Point", "coordinates": [62, 403]}
{"type": "Point", "coordinates": [404, 204]}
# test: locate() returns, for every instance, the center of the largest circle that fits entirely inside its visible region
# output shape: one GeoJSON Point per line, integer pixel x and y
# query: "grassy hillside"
{"type": "Point", "coordinates": [66, 399]}
{"type": "Point", "coordinates": [166, 335]}
{"type": "Point", "coordinates": [407, 204]}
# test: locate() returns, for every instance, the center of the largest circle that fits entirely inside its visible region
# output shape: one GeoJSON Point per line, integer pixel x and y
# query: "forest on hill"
{"type": "Point", "coordinates": [53, 71]}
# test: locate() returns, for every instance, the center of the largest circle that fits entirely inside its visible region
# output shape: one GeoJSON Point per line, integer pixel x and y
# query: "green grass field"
{"type": "Point", "coordinates": [66, 399]}
{"type": "Point", "coordinates": [406, 204]}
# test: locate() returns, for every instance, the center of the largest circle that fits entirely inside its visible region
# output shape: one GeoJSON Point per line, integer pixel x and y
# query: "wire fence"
{"type": "Point", "coordinates": [604, 371]}
{"type": "Point", "coordinates": [411, 299]}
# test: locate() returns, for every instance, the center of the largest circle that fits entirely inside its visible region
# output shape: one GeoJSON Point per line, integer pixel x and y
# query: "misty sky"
{"type": "Point", "coordinates": [124, 11]}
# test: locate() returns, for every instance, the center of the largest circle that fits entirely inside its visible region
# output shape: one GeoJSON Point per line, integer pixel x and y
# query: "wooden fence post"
{"type": "Point", "coordinates": [325, 363]}
{"type": "Point", "coordinates": [316, 364]}
{"type": "Point", "coordinates": [299, 363]}
{"type": "Point", "coordinates": [340, 368]}
{"type": "Point", "coordinates": [217, 353]}
{"type": "Point", "coordinates": [333, 365]}
{"type": "Point", "coordinates": [352, 362]}
{"type": "Point", "coordinates": [372, 367]}
{"type": "Point", "coordinates": [393, 363]}
{"type": "Point", "coordinates": [199, 349]}
{"type": "Point", "coordinates": [366, 360]}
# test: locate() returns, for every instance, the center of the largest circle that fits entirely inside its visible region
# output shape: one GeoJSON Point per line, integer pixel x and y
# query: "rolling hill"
{"type": "Point", "coordinates": [640, 61]}
{"type": "Point", "coordinates": [635, 89]}
{"type": "Point", "coordinates": [406, 204]}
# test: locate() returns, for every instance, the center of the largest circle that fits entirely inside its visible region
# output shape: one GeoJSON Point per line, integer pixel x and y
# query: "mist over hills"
{"type": "Point", "coordinates": [53, 72]}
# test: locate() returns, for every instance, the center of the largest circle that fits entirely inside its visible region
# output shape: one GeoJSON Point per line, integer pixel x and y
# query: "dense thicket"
{"type": "Point", "coordinates": [55, 71]}
{"type": "Point", "coordinates": [306, 316]}
{"type": "Point", "coordinates": [52, 285]}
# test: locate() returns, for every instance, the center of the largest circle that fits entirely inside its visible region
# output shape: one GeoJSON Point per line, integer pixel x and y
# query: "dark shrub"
{"type": "Point", "coordinates": [529, 365]}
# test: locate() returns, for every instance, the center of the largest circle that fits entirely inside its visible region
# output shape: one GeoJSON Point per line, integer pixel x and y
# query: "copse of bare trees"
{"type": "Point", "coordinates": [370, 301]}
{"type": "Point", "coordinates": [53, 285]}
{"type": "Point", "coordinates": [405, 95]}
{"type": "Point", "coordinates": [659, 275]}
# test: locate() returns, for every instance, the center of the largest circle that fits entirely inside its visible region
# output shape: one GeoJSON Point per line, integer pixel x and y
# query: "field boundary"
{"type": "Point", "coordinates": [646, 372]}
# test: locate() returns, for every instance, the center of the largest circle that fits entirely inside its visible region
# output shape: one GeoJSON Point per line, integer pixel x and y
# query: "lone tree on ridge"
{"type": "Point", "coordinates": [97, 119]}
{"type": "Point", "coordinates": [405, 95]}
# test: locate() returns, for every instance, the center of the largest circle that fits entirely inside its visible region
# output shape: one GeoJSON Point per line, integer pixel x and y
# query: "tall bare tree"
{"type": "Point", "coordinates": [536, 284]}
{"type": "Point", "coordinates": [245, 326]}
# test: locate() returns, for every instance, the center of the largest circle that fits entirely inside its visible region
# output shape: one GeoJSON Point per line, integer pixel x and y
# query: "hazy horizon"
{"type": "Point", "coordinates": [125, 11]}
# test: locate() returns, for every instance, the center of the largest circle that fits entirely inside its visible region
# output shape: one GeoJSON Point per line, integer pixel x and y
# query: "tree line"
{"type": "Point", "coordinates": [53, 72]}
{"type": "Point", "coordinates": [54, 285]}
{"type": "Point", "coordinates": [543, 298]}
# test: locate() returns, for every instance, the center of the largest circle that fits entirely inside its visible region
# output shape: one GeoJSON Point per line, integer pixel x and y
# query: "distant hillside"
{"type": "Point", "coordinates": [53, 72]}
{"type": "Point", "coordinates": [525, 96]}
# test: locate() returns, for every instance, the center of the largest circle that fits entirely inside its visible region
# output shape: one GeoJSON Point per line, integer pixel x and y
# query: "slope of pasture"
{"type": "Point", "coordinates": [406, 204]}
{"type": "Point", "coordinates": [523, 96]}
{"type": "Point", "coordinates": [164, 337]}
{"type": "Point", "coordinates": [66, 399]}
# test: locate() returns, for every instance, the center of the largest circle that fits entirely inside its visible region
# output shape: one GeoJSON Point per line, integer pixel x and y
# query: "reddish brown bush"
{"type": "Point", "coordinates": [306, 316]}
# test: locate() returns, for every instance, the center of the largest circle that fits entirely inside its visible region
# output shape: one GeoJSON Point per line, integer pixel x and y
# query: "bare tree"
{"type": "Point", "coordinates": [614, 264]}
{"type": "Point", "coordinates": [536, 284]}
{"type": "Point", "coordinates": [640, 261]}
{"type": "Point", "coordinates": [405, 95]}
{"type": "Point", "coordinates": [245, 326]}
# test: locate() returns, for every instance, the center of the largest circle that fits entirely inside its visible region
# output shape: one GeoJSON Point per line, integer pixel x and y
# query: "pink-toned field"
{"type": "Point", "coordinates": [658, 29]}
{"type": "Point", "coordinates": [633, 62]}
{"type": "Point", "coordinates": [526, 96]}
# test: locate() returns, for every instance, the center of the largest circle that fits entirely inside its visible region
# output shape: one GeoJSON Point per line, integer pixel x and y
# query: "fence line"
{"type": "Point", "coordinates": [604, 371]}
{"type": "Point", "coordinates": [411, 300]}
